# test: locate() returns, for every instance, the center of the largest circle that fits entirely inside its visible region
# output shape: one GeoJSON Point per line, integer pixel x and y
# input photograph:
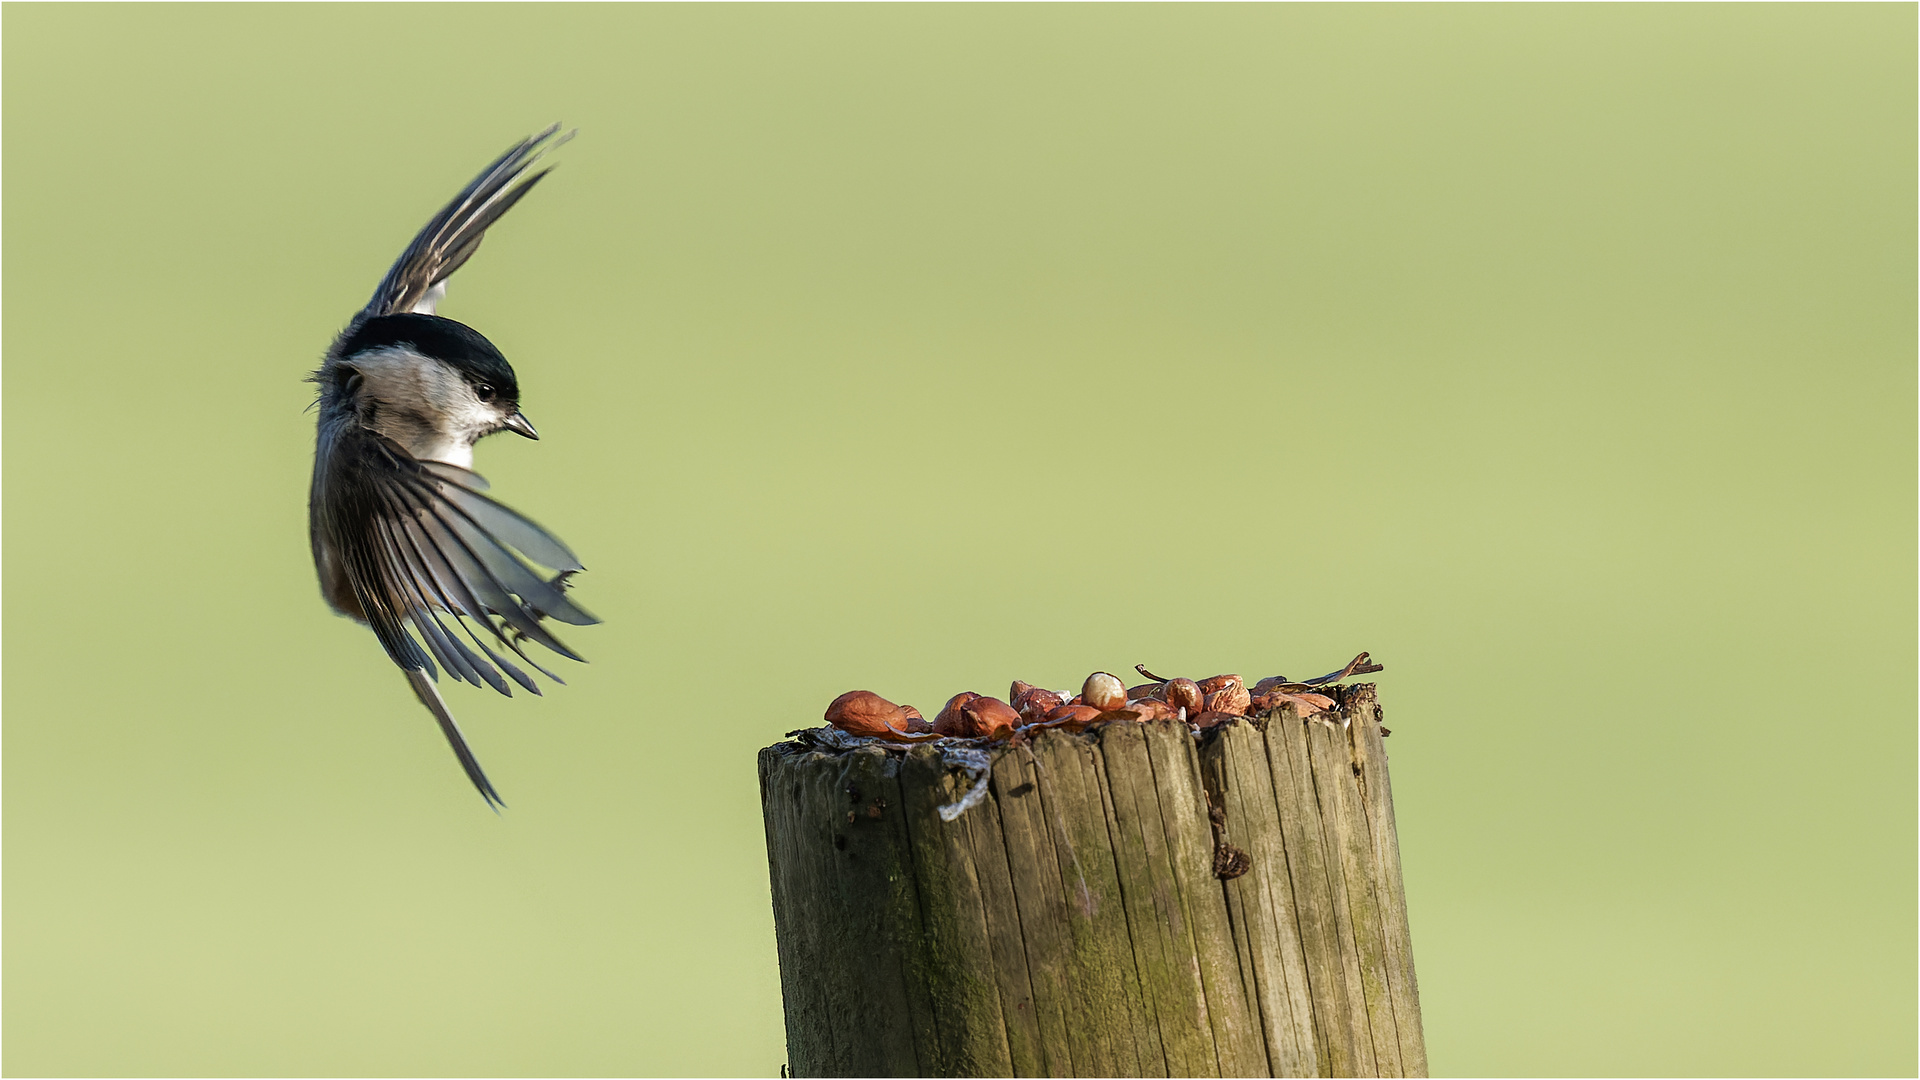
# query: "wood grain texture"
{"type": "Point", "coordinates": [1377, 794]}
{"type": "Point", "coordinates": [1289, 764]}
{"type": "Point", "coordinates": [1262, 900]}
{"type": "Point", "coordinates": [969, 1035]}
{"type": "Point", "coordinates": [1074, 922]}
{"type": "Point", "coordinates": [1353, 907]}
{"type": "Point", "coordinates": [1231, 1010]}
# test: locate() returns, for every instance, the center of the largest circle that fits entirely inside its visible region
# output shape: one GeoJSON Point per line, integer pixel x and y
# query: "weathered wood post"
{"type": "Point", "coordinates": [1134, 900]}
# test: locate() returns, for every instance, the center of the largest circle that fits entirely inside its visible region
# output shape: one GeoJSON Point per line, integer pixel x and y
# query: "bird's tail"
{"type": "Point", "coordinates": [429, 696]}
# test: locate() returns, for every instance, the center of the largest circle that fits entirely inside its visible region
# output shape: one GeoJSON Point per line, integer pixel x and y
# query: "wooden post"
{"type": "Point", "coordinates": [1130, 901]}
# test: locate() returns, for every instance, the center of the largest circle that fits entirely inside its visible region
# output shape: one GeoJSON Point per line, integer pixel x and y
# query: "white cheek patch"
{"type": "Point", "coordinates": [474, 415]}
{"type": "Point", "coordinates": [467, 422]}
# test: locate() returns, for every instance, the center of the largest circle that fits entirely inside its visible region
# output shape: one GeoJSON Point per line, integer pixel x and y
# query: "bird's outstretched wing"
{"type": "Point", "coordinates": [425, 546]}
{"type": "Point", "coordinates": [418, 278]}
{"type": "Point", "coordinates": [426, 551]}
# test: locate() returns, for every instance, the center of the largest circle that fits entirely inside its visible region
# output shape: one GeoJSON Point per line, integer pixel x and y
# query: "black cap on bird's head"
{"type": "Point", "coordinates": [455, 344]}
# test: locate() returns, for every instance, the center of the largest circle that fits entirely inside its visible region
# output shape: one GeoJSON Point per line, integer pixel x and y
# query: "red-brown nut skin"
{"type": "Point", "coordinates": [863, 712]}
{"type": "Point", "coordinates": [950, 722]}
{"type": "Point", "coordinates": [990, 718]}
{"type": "Point", "coordinates": [1104, 691]}
{"type": "Point", "coordinates": [1306, 704]}
{"type": "Point", "coordinates": [1155, 709]}
{"type": "Point", "coordinates": [1185, 694]}
{"type": "Point", "coordinates": [1022, 691]}
{"type": "Point", "coordinates": [1220, 682]}
{"type": "Point", "coordinates": [1038, 703]}
{"type": "Point", "coordinates": [1143, 691]}
{"type": "Point", "coordinates": [1271, 682]}
{"type": "Point", "coordinates": [1232, 699]}
{"type": "Point", "coordinates": [1210, 719]}
{"type": "Point", "coordinates": [1072, 717]}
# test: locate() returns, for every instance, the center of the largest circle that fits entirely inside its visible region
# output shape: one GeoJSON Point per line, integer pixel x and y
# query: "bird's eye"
{"type": "Point", "coordinates": [485, 391]}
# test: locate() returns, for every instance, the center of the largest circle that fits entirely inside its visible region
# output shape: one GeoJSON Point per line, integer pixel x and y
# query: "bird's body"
{"type": "Point", "coordinates": [404, 538]}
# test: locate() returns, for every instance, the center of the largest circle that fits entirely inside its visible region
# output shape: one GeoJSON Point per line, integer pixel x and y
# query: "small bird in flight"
{"type": "Point", "coordinates": [403, 535]}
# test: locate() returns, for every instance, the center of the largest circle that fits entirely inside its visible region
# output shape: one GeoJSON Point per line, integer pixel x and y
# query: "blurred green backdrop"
{"type": "Point", "coordinates": [1561, 356]}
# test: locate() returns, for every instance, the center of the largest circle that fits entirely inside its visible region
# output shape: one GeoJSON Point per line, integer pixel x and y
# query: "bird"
{"type": "Point", "coordinates": [405, 538]}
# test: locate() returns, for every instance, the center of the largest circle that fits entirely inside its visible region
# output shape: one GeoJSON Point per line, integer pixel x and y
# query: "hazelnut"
{"type": "Point", "coordinates": [1141, 692]}
{"type": "Point", "coordinates": [1232, 699]}
{"type": "Point", "coordinates": [1220, 682]}
{"type": "Point", "coordinates": [1104, 691]}
{"type": "Point", "coordinates": [1271, 682]}
{"type": "Point", "coordinates": [1185, 694]}
{"type": "Point", "coordinates": [1038, 703]}
{"type": "Point", "coordinates": [990, 718]}
{"type": "Point", "coordinates": [1022, 691]}
{"type": "Point", "coordinates": [863, 712]}
{"type": "Point", "coordinates": [1155, 709]}
{"type": "Point", "coordinates": [949, 722]}
{"type": "Point", "coordinates": [1307, 704]}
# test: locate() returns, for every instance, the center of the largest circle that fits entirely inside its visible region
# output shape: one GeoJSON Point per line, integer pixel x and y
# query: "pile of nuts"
{"type": "Point", "coordinates": [1103, 698]}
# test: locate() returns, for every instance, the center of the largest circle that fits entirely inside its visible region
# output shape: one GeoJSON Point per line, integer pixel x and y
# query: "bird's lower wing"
{"type": "Point", "coordinates": [426, 550]}
{"type": "Point", "coordinates": [430, 559]}
{"type": "Point", "coordinates": [429, 696]}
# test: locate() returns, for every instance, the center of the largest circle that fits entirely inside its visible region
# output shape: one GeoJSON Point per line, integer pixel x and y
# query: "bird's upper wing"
{"type": "Point", "coordinates": [422, 545]}
{"type": "Point", "coordinates": [417, 280]}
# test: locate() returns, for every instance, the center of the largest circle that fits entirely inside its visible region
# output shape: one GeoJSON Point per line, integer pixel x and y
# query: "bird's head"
{"type": "Point", "coordinates": [431, 384]}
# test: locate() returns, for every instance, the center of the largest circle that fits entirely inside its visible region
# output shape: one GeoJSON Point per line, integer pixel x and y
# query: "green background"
{"type": "Point", "coordinates": [1563, 357]}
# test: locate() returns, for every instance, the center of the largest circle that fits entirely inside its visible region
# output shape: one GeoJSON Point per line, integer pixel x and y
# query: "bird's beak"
{"type": "Point", "coordinates": [520, 425]}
